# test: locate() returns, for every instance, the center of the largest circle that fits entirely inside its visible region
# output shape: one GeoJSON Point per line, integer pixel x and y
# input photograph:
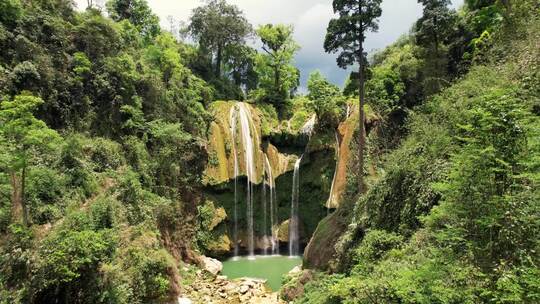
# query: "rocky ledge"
{"type": "Point", "coordinates": [220, 290]}
{"type": "Point", "coordinates": [209, 288]}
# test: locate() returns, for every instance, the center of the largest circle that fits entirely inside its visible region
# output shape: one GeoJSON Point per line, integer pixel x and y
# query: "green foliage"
{"type": "Point", "coordinates": [375, 244]}
{"type": "Point", "coordinates": [206, 27]}
{"type": "Point", "coordinates": [453, 217]}
{"type": "Point", "coordinates": [115, 97]}
{"type": "Point", "coordinates": [96, 36]}
{"type": "Point", "coordinates": [65, 256]}
{"type": "Point", "coordinates": [82, 66]}
{"type": "Point", "coordinates": [394, 80]}
{"type": "Point", "coordinates": [140, 204]}
{"type": "Point", "coordinates": [10, 12]}
{"type": "Point", "coordinates": [325, 100]}
{"type": "Point", "coordinates": [74, 163]}
{"type": "Point", "coordinates": [493, 142]}
{"type": "Point", "coordinates": [22, 139]}
{"type": "Point", "coordinates": [278, 78]}
{"type": "Point", "coordinates": [435, 22]}
{"type": "Point", "coordinates": [140, 271]}
{"type": "Point", "coordinates": [343, 33]}
{"type": "Point", "coordinates": [318, 290]}
{"type": "Point", "coordinates": [206, 215]}
{"type": "Point", "coordinates": [138, 13]}
{"type": "Point", "coordinates": [45, 194]}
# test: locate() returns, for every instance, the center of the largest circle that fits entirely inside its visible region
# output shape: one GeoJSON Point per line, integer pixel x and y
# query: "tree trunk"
{"type": "Point", "coordinates": [218, 61]}
{"type": "Point", "coordinates": [16, 199]}
{"type": "Point", "coordinates": [23, 196]}
{"type": "Point", "coordinates": [362, 140]}
{"type": "Point", "coordinates": [277, 79]}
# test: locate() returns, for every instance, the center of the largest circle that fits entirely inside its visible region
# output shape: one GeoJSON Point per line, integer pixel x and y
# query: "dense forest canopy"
{"type": "Point", "coordinates": [105, 124]}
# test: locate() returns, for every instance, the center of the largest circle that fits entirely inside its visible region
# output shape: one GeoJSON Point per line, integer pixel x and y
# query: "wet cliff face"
{"type": "Point", "coordinates": [282, 146]}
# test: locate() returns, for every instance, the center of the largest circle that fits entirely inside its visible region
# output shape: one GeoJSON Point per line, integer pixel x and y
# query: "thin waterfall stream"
{"type": "Point", "coordinates": [274, 241]}
{"type": "Point", "coordinates": [294, 239]}
{"type": "Point", "coordinates": [232, 123]}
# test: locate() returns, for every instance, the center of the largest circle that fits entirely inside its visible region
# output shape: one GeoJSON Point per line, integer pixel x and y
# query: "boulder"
{"type": "Point", "coordinates": [211, 265]}
{"type": "Point", "coordinates": [320, 249]}
{"type": "Point", "coordinates": [283, 231]}
{"type": "Point", "coordinates": [296, 270]}
{"type": "Point", "coordinates": [182, 300]}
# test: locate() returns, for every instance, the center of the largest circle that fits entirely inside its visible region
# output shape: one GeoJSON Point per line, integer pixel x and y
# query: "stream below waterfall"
{"type": "Point", "coordinates": [268, 267]}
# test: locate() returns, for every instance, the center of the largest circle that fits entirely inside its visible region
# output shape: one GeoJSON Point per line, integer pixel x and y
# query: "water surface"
{"type": "Point", "coordinates": [270, 268]}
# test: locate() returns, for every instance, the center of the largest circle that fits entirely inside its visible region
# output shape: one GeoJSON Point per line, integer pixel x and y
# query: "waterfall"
{"type": "Point", "coordinates": [240, 113]}
{"type": "Point", "coordinates": [294, 246]}
{"type": "Point", "coordinates": [232, 122]}
{"type": "Point", "coordinates": [265, 222]}
{"type": "Point", "coordinates": [273, 209]}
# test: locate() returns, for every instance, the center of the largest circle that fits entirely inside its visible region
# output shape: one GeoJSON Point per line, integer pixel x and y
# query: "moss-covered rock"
{"type": "Point", "coordinates": [222, 147]}
{"type": "Point", "coordinates": [283, 231]}
{"type": "Point", "coordinates": [219, 246]}
{"type": "Point", "coordinates": [320, 251]}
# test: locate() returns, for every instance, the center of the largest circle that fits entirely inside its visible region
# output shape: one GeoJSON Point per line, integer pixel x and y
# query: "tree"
{"type": "Point", "coordinates": [278, 77]}
{"type": "Point", "coordinates": [10, 12]}
{"type": "Point", "coordinates": [434, 24]}
{"type": "Point", "coordinates": [22, 138]}
{"type": "Point", "coordinates": [325, 99]}
{"type": "Point", "coordinates": [137, 12]}
{"type": "Point", "coordinates": [217, 26]}
{"type": "Point", "coordinates": [431, 30]}
{"type": "Point", "coordinates": [242, 66]}
{"type": "Point", "coordinates": [347, 33]}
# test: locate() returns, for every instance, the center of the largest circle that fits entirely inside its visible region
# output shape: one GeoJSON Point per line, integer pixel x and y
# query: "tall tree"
{"type": "Point", "coordinates": [431, 30]}
{"type": "Point", "coordinates": [277, 74]}
{"type": "Point", "coordinates": [217, 26]}
{"type": "Point", "coordinates": [241, 66]}
{"type": "Point", "coordinates": [325, 99]}
{"type": "Point", "coordinates": [138, 13]}
{"type": "Point", "coordinates": [435, 23]}
{"type": "Point", "coordinates": [22, 138]}
{"type": "Point", "coordinates": [346, 34]}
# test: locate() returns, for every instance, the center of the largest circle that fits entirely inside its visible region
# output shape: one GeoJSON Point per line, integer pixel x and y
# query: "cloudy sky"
{"type": "Point", "coordinates": [310, 19]}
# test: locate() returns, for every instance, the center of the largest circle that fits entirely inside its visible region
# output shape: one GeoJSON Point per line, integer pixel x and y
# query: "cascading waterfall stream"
{"type": "Point", "coordinates": [240, 113]}
{"type": "Point", "coordinates": [294, 236]}
{"type": "Point", "coordinates": [232, 123]}
{"type": "Point", "coordinates": [273, 212]}
{"type": "Point", "coordinates": [265, 222]}
{"type": "Point", "coordinates": [294, 239]}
